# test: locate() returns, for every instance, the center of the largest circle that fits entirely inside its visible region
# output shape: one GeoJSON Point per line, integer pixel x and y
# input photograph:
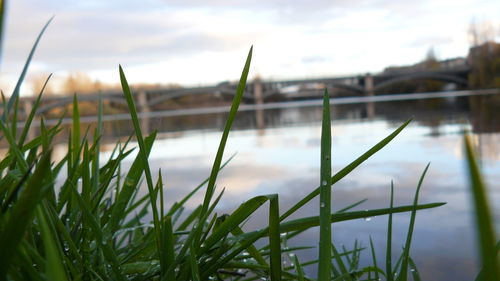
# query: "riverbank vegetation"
{"type": "Point", "coordinates": [84, 218]}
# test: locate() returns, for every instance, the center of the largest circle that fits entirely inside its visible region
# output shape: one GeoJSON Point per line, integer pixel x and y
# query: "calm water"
{"type": "Point", "coordinates": [278, 152]}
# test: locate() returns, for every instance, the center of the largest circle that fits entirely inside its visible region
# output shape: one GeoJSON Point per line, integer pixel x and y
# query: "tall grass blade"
{"type": "Point", "coordinates": [298, 269]}
{"type": "Point", "coordinates": [325, 226]}
{"type": "Point", "coordinates": [340, 263]}
{"type": "Point", "coordinates": [403, 275]}
{"type": "Point", "coordinates": [351, 206]}
{"type": "Point", "coordinates": [75, 130]}
{"type": "Point", "coordinates": [13, 122]}
{"type": "Point", "coordinates": [374, 258]}
{"type": "Point", "coordinates": [388, 253]}
{"type": "Point", "coordinates": [13, 148]}
{"type": "Point", "coordinates": [144, 156]}
{"type": "Point", "coordinates": [414, 270]}
{"type": "Point", "coordinates": [484, 219]}
{"type": "Point", "coordinates": [97, 148]}
{"type": "Point", "coordinates": [168, 241]}
{"type": "Point", "coordinates": [2, 24]}
{"type": "Point", "coordinates": [480, 276]}
{"type": "Point", "coordinates": [252, 251]}
{"type": "Point", "coordinates": [31, 115]}
{"type": "Point", "coordinates": [220, 151]}
{"type": "Point", "coordinates": [308, 222]}
{"type": "Point", "coordinates": [274, 238]}
{"type": "Point", "coordinates": [195, 275]}
{"type": "Point", "coordinates": [15, 93]}
{"type": "Point", "coordinates": [129, 186]}
{"type": "Point", "coordinates": [54, 256]}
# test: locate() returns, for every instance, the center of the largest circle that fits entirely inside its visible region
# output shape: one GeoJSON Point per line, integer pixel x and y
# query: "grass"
{"type": "Point", "coordinates": [92, 225]}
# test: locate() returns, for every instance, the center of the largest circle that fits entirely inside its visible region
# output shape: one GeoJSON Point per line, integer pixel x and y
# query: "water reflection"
{"type": "Point", "coordinates": [281, 156]}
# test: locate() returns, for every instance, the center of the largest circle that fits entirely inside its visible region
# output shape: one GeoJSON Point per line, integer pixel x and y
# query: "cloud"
{"type": "Point", "coordinates": [292, 38]}
{"type": "Point", "coordinates": [86, 40]}
{"type": "Point", "coordinates": [431, 41]}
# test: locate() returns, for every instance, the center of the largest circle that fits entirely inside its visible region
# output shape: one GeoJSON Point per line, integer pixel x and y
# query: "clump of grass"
{"type": "Point", "coordinates": [92, 225]}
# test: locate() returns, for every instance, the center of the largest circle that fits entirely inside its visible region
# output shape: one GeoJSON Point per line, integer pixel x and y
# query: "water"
{"type": "Point", "coordinates": [278, 151]}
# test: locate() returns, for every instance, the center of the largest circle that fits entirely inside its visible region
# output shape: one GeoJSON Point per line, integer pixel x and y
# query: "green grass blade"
{"type": "Point", "coordinates": [220, 151]}
{"type": "Point", "coordinates": [308, 222]}
{"type": "Point", "coordinates": [194, 265]}
{"type": "Point", "coordinates": [143, 154]}
{"type": "Point", "coordinates": [129, 186]}
{"type": "Point", "coordinates": [298, 269]}
{"type": "Point", "coordinates": [97, 148]}
{"type": "Point", "coordinates": [340, 262]}
{"type": "Point", "coordinates": [480, 276]}
{"type": "Point", "coordinates": [168, 241]}
{"type": "Point", "coordinates": [484, 218]}
{"type": "Point", "coordinates": [252, 251]}
{"type": "Point", "coordinates": [21, 214]}
{"type": "Point", "coordinates": [374, 258]}
{"type": "Point", "coordinates": [72, 249]}
{"type": "Point", "coordinates": [414, 271]}
{"type": "Point", "coordinates": [54, 262]}
{"type": "Point", "coordinates": [190, 219]}
{"type": "Point", "coordinates": [31, 116]}
{"type": "Point", "coordinates": [346, 170]}
{"type": "Point", "coordinates": [345, 209]}
{"type": "Point", "coordinates": [15, 93]}
{"type": "Point", "coordinates": [13, 122]}
{"type": "Point", "coordinates": [274, 238]}
{"type": "Point", "coordinates": [75, 130]}
{"type": "Point", "coordinates": [406, 253]}
{"type": "Point", "coordinates": [388, 253]}
{"type": "Point", "coordinates": [13, 148]}
{"type": "Point", "coordinates": [2, 21]}
{"type": "Point", "coordinates": [325, 226]}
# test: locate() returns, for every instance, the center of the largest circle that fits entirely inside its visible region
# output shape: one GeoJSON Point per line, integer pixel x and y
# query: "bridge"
{"type": "Point", "coordinates": [257, 91]}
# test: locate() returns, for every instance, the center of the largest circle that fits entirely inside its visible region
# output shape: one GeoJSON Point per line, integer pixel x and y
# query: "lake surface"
{"type": "Point", "coordinates": [278, 152]}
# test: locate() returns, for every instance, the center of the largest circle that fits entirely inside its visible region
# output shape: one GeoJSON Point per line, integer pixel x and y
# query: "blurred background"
{"type": "Point", "coordinates": [382, 62]}
{"type": "Point", "coordinates": [204, 42]}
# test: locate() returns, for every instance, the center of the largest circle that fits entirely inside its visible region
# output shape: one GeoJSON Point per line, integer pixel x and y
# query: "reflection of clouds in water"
{"type": "Point", "coordinates": [286, 161]}
{"type": "Point", "coordinates": [488, 147]}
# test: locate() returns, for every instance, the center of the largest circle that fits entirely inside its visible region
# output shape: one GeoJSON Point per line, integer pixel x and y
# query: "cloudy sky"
{"type": "Point", "coordinates": [201, 42]}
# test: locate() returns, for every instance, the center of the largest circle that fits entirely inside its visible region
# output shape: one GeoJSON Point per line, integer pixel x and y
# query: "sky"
{"type": "Point", "coordinates": [199, 42]}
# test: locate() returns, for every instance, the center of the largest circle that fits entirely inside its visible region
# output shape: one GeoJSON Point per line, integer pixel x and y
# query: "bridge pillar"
{"type": "Point", "coordinates": [369, 91]}
{"type": "Point", "coordinates": [142, 100]}
{"type": "Point", "coordinates": [257, 91]}
{"type": "Point", "coordinates": [259, 100]}
{"type": "Point", "coordinates": [27, 106]}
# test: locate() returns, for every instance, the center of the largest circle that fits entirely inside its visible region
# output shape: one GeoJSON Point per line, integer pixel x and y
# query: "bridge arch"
{"type": "Point", "coordinates": [190, 92]}
{"type": "Point", "coordinates": [89, 98]}
{"type": "Point", "coordinates": [422, 76]}
{"type": "Point", "coordinates": [351, 88]}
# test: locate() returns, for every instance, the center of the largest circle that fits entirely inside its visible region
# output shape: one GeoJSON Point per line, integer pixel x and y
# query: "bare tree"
{"type": "Point", "coordinates": [482, 32]}
{"type": "Point", "coordinates": [81, 83]}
